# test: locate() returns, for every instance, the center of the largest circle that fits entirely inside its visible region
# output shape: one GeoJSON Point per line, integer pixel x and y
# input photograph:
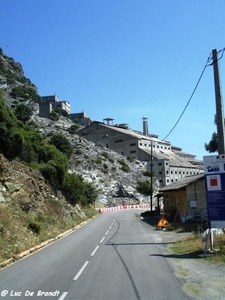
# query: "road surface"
{"type": "Point", "coordinates": [114, 257]}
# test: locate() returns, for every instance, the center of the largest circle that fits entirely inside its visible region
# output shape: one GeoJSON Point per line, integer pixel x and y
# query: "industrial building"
{"type": "Point", "coordinates": [168, 163]}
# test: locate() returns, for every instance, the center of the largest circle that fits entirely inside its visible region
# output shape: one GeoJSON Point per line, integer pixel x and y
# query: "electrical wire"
{"type": "Point", "coordinates": [206, 65]}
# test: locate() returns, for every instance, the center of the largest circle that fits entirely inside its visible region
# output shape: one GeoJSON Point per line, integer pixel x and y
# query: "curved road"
{"type": "Point", "coordinates": [115, 256]}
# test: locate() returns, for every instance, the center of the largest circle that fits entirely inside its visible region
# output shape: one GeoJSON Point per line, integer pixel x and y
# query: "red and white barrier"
{"type": "Point", "coordinates": [125, 206]}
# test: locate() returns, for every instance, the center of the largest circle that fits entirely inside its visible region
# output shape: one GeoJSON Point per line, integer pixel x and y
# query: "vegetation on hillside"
{"type": "Point", "coordinates": [19, 140]}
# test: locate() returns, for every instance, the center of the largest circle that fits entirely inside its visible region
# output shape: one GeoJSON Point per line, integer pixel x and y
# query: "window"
{"type": "Point", "coordinates": [133, 144]}
{"type": "Point", "coordinates": [118, 141]}
{"type": "Point", "coordinates": [133, 151]}
{"type": "Point", "coordinates": [159, 164]}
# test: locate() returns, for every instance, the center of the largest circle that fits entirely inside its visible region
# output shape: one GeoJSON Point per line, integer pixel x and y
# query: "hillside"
{"type": "Point", "coordinates": [31, 209]}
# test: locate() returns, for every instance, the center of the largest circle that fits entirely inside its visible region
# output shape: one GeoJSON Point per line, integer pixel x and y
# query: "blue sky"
{"type": "Point", "coordinates": [123, 59]}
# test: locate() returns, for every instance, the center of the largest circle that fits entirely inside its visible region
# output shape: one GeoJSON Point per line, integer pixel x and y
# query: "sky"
{"type": "Point", "coordinates": [124, 59]}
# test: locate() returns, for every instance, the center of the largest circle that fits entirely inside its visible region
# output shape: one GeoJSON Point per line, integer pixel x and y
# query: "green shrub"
{"type": "Point", "coordinates": [147, 173]}
{"type": "Point", "coordinates": [144, 187]}
{"type": "Point", "coordinates": [130, 158]}
{"type": "Point", "coordinates": [34, 227]}
{"type": "Point", "coordinates": [73, 128]}
{"type": "Point", "coordinates": [105, 154]}
{"type": "Point", "coordinates": [124, 166]}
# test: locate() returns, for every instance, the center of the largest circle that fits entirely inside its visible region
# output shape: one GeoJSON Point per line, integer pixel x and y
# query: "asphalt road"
{"type": "Point", "coordinates": [115, 256]}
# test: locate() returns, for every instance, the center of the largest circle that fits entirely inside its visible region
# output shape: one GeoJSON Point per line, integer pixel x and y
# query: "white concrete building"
{"type": "Point", "coordinates": [169, 163]}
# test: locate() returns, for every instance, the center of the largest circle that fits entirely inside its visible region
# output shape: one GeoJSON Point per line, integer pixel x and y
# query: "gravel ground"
{"type": "Point", "coordinates": [198, 278]}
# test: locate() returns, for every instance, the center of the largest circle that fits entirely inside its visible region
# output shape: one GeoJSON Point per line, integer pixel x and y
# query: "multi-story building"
{"type": "Point", "coordinates": [168, 163]}
{"type": "Point", "coordinates": [49, 102]}
{"type": "Point", "coordinates": [81, 118]}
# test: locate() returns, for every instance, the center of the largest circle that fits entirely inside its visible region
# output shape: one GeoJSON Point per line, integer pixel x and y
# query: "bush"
{"type": "Point", "coordinates": [105, 154]}
{"type": "Point", "coordinates": [144, 187]}
{"type": "Point", "coordinates": [130, 158]}
{"type": "Point", "coordinates": [124, 166]}
{"type": "Point", "coordinates": [61, 143]}
{"type": "Point", "coordinates": [73, 129]}
{"type": "Point", "coordinates": [78, 191]}
{"type": "Point", "coordinates": [34, 226]}
{"type": "Point", "coordinates": [147, 173]}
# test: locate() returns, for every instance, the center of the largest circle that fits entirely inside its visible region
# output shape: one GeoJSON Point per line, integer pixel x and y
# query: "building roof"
{"type": "Point", "coordinates": [132, 133]}
{"type": "Point", "coordinates": [175, 159]}
{"type": "Point", "coordinates": [182, 183]}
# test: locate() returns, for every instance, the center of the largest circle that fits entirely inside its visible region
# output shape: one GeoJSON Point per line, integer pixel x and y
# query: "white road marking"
{"type": "Point", "coordinates": [63, 296]}
{"type": "Point", "coordinates": [110, 227]}
{"type": "Point", "coordinates": [102, 239]}
{"type": "Point", "coordinates": [81, 270]}
{"type": "Point", "coordinates": [106, 232]}
{"type": "Point", "coordinates": [93, 253]}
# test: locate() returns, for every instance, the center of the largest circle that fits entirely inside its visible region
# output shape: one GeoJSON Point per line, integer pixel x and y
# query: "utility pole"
{"type": "Point", "coordinates": [219, 104]}
{"type": "Point", "coordinates": [151, 187]}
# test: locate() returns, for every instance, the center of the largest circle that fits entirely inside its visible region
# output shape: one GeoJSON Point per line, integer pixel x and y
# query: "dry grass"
{"type": "Point", "coordinates": [20, 231]}
{"type": "Point", "coordinates": [194, 245]}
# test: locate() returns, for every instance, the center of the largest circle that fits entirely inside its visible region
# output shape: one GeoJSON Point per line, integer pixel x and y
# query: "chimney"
{"type": "Point", "coordinates": [145, 126]}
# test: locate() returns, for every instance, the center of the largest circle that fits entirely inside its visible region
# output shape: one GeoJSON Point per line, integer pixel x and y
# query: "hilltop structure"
{"type": "Point", "coordinates": [48, 103]}
{"type": "Point", "coordinates": [168, 163]}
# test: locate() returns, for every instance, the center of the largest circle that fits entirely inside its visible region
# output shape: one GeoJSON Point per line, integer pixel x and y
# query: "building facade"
{"type": "Point", "coordinates": [52, 101]}
{"type": "Point", "coordinates": [187, 197]}
{"type": "Point", "coordinates": [167, 165]}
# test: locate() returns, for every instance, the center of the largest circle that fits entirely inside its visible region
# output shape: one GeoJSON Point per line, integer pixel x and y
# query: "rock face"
{"type": "Point", "coordinates": [114, 175]}
{"type": "Point", "coordinates": [105, 169]}
{"type": "Point", "coordinates": [25, 188]}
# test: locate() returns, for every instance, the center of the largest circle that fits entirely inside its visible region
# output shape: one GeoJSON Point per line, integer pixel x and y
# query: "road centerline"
{"type": "Point", "coordinates": [102, 239]}
{"type": "Point", "coordinates": [93, 253]}
{"type": "Point", "coordinates": [81, 270]}
{"type": "Point", "coordinates": [63, 296]}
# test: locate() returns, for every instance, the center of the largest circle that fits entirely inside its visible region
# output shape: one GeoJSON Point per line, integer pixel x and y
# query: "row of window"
{"type": "Point", "coordinates": [160, 164]}
{"type": "Point", "coordinates": [187, 173]}
{"type": "Point", "coordinates": [154, 146]}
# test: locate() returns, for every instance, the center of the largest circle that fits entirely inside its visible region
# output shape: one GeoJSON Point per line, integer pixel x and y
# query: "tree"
{"type": "Point", "coordinates": [73, 188]}
{"type": "Point", "coordinates": [144, 187]}
{"type": "Point", "coordinates": [61, 143]}
{"type": "Point", "coordinates": [54, 164]}
{"type": "Point", "coordinates": [212, 146]}
{"type": "Point", "coordinates": [23, 112]}
{"type": "Point", "coordinates": [77, 190]}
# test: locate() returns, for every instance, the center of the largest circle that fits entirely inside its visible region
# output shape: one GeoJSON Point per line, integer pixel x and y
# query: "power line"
{"type": "Point", "coordinates": [206, 65]}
